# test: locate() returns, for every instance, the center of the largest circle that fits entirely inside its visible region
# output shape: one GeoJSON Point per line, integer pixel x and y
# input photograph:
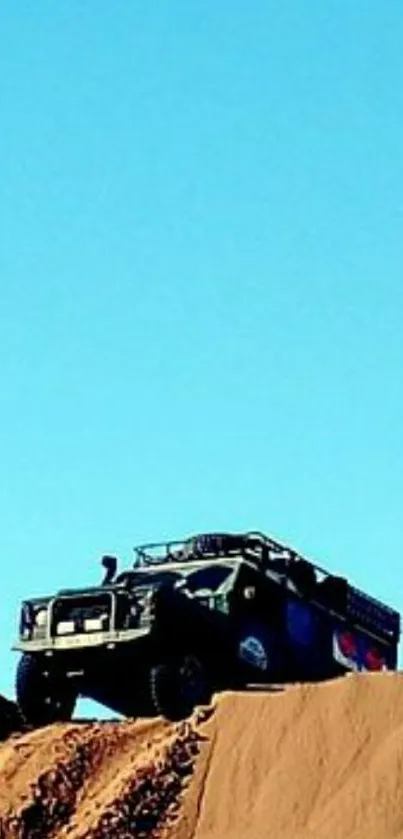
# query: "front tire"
{"type": "Point", "coordinates": [42, 698]}
{"type": "Point", "coordinates": [178, 686]}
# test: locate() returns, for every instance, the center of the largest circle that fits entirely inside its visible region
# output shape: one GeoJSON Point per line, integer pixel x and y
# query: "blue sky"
{"type": "Point", "coordinates": [201, 297]}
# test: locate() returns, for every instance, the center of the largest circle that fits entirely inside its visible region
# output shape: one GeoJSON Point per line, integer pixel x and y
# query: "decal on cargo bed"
{"type": "Point", "coordinates": [358, 652]}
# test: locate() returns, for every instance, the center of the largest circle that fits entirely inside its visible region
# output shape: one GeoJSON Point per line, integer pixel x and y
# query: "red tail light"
{"type": "Point", "coordinates": [374, 659]}
{"type": "Point", "coordinates": [348, 644]}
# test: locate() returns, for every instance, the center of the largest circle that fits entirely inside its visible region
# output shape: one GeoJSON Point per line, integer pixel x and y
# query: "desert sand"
{"type": "Point", "coordinates": [312, 761]}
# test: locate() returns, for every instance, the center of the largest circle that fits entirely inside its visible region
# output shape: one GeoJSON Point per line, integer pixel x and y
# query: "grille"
{"type": "Point", "coordinates": [80, 615]}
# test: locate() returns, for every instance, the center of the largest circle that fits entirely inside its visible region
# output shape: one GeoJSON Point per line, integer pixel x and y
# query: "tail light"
{"type": "Point", "coordinates": [348, 644]}
{"type": "Point", "coordinates": [374, 660]}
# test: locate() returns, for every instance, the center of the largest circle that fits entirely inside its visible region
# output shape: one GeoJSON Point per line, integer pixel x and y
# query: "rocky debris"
{"type": "Point", "coordinates": [151, 797]}
{"type": "Point", "coordinates": [80, 795]}
{"type": "Point", "coordinates": [53, 797]}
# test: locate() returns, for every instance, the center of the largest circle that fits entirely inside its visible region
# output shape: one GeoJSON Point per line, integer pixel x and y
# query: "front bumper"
{"type": "Point", "coordinates": [81, 641]}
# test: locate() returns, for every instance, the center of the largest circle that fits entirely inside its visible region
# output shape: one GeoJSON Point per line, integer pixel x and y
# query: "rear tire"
{"type": "Point", "coordinates": [42, 698]}
{"type": "Point", "coordinates": [178, 686]}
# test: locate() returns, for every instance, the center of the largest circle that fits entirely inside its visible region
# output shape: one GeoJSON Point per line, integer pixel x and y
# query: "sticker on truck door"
{"type": "Point", "coordinates": [252, 651]}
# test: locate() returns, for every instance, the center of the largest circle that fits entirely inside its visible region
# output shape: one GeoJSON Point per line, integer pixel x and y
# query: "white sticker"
{"type": "Point", "coordinates": [253, 652]}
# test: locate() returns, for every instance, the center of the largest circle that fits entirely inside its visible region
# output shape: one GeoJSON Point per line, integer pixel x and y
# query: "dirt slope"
{"type": "Point", "coordinates": [313, 762]}
{"type": "Point", "coordinates": [316, 762]}
{"type": "Point", "coordinates": [94, 780]}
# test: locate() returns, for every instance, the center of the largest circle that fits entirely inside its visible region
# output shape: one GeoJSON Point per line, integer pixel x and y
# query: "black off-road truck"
{"type": "Point", "coordinates": [214, 612]}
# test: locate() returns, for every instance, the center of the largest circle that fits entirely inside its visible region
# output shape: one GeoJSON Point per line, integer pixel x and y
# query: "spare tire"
{"type": "Point", "coordinates": [178, 686]}
{"type": "Point", "coordinates": [42, 698]}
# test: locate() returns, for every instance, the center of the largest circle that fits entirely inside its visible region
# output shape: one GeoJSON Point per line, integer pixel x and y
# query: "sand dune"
{"type": "Point", "coordinates": [317, 762]}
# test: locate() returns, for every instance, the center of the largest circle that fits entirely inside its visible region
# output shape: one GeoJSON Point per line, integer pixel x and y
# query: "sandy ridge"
{"type": "Point", "coordinates": [311, 762]}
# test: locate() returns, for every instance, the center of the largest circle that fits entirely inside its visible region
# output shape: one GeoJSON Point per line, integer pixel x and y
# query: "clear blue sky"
{"type": "Point", "coordinates": [201, 265]}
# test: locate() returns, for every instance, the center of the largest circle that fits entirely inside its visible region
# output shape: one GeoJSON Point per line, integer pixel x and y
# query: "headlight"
{"type": "Point", "coordinates": [32, 618]}
{"type": "Point", "coordinates": [41, 618]}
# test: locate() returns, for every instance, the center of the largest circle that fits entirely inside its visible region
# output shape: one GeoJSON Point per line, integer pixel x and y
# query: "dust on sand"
{"type": "Point", "coordinates": [312, 762]}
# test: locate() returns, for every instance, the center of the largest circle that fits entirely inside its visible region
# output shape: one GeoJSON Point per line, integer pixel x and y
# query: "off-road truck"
{"type": "Point", "coordinates": [191, 618]}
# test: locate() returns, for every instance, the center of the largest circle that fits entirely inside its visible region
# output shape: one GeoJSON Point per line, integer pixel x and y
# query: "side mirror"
{"type": "Point", "coordinates": [110, 564]}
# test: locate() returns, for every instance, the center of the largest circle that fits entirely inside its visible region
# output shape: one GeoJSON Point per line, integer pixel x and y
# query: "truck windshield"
{"type": "Point", "coordinates": [194, 577]}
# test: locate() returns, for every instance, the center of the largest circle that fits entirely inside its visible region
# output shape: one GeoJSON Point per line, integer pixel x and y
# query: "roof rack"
{"type": "Point", "coordinates": [272, 556]}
